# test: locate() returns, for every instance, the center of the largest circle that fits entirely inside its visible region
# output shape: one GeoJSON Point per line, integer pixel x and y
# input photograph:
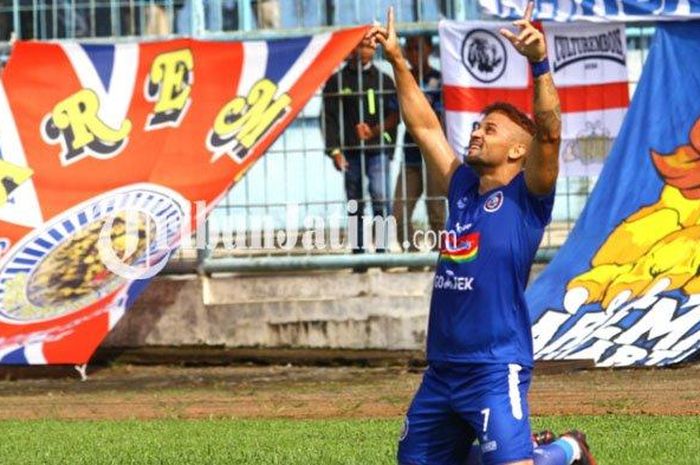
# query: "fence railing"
{"type": "Point", "coordinates": [297, 173]}
{"type": "Point", "coordinates": [83, 19]}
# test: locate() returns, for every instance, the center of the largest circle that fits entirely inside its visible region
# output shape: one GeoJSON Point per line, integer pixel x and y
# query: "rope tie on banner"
{"type": "Point", "coordinates": [82, 370]}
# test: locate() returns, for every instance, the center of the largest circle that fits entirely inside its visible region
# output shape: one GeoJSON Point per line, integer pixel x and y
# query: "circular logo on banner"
{"type": "Point", "coordinates": [484, 55]}
{"type": "Point", "coordinates": [58, 269]}
{"type": "Point", "coordinates": [494, 202]}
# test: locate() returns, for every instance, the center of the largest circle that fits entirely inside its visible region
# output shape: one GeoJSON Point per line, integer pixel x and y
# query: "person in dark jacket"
{"type": "Point", "coordinates": [359, 119]}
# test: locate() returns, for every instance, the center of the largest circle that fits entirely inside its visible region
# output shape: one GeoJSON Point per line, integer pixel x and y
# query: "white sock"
{"type": "Point", "coordinates": [574, 446]}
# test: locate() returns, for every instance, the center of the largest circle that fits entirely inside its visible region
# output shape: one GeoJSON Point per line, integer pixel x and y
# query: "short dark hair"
{"type": "Point", "coordinates": [427, 38]}
{"type": "Point", "coordinates": [513, 114]}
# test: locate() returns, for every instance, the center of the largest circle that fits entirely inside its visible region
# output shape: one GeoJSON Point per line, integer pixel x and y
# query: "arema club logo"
{"type": "Point", "coordinates": [57, 271]}
{"type": "Point", "coordinates": [484, 55]}
{"type": "Point", "coordinates": [494, 202]}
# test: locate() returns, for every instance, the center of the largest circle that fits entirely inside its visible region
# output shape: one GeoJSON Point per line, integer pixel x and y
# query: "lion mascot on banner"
{"type": "Point", "coordinates": [655, 249]}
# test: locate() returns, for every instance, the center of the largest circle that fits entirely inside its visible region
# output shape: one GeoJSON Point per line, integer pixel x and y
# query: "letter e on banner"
{"type": "Point", "coordinates": [169, 85]}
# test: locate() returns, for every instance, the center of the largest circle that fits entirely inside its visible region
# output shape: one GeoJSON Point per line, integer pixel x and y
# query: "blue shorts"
{"type": "Point", "coordinates": [457, 404]}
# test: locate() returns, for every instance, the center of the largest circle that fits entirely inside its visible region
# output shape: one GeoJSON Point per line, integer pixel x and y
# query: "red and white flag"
{"type": "Point", "coordinates": [480, 67]}
{"type": "Point", "coordinates": [92, 132]}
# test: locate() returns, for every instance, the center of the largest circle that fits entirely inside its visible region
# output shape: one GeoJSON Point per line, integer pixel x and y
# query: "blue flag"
{"type": "Point", "coordinates": [625, 288]}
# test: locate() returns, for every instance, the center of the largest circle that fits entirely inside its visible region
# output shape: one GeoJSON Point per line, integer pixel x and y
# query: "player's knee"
{"type": "Point", "coordinates": [550, 455]}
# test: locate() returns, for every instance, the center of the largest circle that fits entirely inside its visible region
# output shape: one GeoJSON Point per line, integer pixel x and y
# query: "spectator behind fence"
{"type": "Point", "coordinates": [41, 20]}
{"type": "Point", "coordinates": [49, 19]}
{"type": "Point", "coordinates": [125, 24]}
{"type": "Point", "coordinates": [443, 7]}
{"type": "Point", "coordinates": [5, 26]}
{"type": "Point", "coordinates": [225, 20]}
{"type": "Point", "coordinates": [158, 20]}
{"type": "Point", "coordinates": [360, 118]}
{"type": "Point", "coordinates": [410, 183]}
{"type": "Point", "coordinates": [267, 13]}
{"type": "Point", "coordinates": [330, 12]}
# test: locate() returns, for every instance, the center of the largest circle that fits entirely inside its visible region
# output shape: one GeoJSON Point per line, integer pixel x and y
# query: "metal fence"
{"type": "Point", "coordinates": [296, 180]}
{"type": "Point", "coordinates": [109, 19]}
{"type": "Point", "coordinates": [297, 171]}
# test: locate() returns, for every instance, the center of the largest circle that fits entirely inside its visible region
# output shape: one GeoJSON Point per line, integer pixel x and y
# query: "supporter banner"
{"type": "Point", "coordinates": [596, 10]}
{"type": "Point", "coordinates": [481, 67]}
{"type": "Point", "coordinates": [130, 135]}
{"type": "Point", "coordinates": [625, 288]}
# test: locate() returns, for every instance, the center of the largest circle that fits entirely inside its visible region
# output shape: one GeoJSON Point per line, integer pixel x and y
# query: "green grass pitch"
{"type": "Point", "coordinates": [616, 440]}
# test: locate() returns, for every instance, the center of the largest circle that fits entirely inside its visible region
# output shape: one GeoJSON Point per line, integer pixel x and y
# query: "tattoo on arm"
{"type": "Point", "coordinates": [547, 110]}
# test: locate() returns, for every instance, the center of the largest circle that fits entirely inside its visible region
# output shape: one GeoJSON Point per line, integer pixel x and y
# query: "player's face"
{"type": "Point", "coordinates": [490, 141]}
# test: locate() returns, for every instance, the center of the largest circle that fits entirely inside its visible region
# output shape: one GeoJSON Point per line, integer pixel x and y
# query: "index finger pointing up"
{"type": "Point", "coordinates": [390, 21]}
{"type": "Point", "coordinates": [528, 11]}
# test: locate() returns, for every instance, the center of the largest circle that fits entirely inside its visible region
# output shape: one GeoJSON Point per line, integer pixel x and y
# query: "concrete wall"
{"type": "Point", "coordinates": [378, 310]}
{"type": "Point", "coordinates": [338, 309]}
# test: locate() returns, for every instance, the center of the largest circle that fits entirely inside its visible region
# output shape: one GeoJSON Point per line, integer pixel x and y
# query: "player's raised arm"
{"type": "Point", "coordinates": [417, 114]}
{"type": "Point", "coordinates": [542, 162]}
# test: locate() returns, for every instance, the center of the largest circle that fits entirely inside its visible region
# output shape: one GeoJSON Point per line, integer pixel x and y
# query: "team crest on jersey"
{"type": "Point", "coordinates": [494, 202]}
{"type": "Point", "coordinates": [57, 270]}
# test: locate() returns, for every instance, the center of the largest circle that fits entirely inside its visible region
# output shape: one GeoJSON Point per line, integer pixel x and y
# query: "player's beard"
{"type": "Point", "coordinates": [475, 161]}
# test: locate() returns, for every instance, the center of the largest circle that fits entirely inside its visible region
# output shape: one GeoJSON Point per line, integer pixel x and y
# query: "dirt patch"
{"type": "Point", "coordinates": [143, 392]}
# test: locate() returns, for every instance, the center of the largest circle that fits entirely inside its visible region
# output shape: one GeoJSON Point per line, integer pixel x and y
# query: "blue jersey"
{"type": "Point", "coordinates": [478, 312]}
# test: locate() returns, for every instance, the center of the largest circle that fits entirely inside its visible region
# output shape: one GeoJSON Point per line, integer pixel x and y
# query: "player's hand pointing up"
{"type": "Point", "coordinates": [529, 42]}
{"type": "Point", "coordinates": [386, 36]}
